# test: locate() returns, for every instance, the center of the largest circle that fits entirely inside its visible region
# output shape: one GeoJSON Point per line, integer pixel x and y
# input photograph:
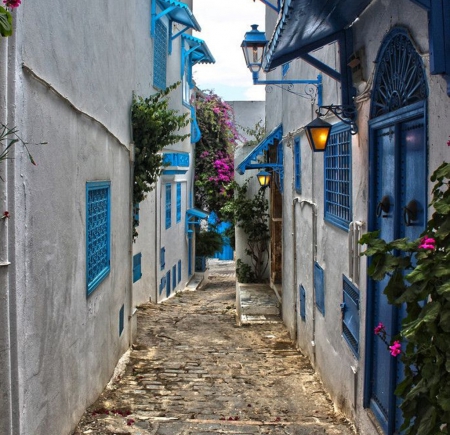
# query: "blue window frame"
{"type": "Point", "coordinates": [297, 166]}
{"type": "Point", "coordinates": [302, 296]}
{"type": "Point", "coordinates": [178, 202]}
{"type": "Point", "coordinates": [137, 273]}
{"type": "Point", "coordinates": [338, 177]}
{"type": "Point", "coordinates": [319, 288]}
{"type": "Point", "coordinates": [179, 271]}
{"type": "Point", "coordinates": [98, 233]}
{"type": "Point", "coordinates": [160, 55]}
{"type": "Point", "coordinates": [121, 319]}
{"type": "Point", "coordinates": [162, 258]}
{"type": "Point", "coordinates": [350, 315]}
{"type": "Point", "coordinates": [168, 206]}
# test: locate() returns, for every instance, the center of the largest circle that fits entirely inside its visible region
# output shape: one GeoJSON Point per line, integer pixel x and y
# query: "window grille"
{"type": "Point", "coordinates": [168, 206]}
{"type": "Point", "coordinates": [338, 177]}
{"type": "Point", "coordinates": [350, 315]}
{"type": "Point", "coordinates": [137, 273]}
{"type": "Point", "coordinates": [178, 202]}
{"type": "Point", "coordinates": [297, 163]}
{"type": "Point", "coordinates": [160, 55]}
{"type": "Point", "coordinates": [98, 229]}
{"type": "Point", "coordinates": [319, 288]}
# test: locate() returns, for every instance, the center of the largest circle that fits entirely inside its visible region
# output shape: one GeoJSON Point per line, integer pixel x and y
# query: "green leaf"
{"type": "Point", "coordinates": [5, 22]}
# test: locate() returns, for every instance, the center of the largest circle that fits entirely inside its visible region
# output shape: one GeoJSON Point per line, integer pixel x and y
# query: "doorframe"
{"type": "Point", "coordinates": [404, 114]}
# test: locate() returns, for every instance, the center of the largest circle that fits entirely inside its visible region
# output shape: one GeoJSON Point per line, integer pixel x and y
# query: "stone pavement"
{"type": "Point", "coordinates": [194, 371]}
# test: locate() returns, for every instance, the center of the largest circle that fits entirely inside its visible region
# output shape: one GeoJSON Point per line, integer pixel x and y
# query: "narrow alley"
{"type": "Point", "coordinates": [193, 371]}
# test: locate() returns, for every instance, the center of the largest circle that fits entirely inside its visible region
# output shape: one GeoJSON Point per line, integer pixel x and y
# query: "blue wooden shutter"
{"type": "Point", "coordinates": [302, 295]}
{"type": "Point", "coordinates": [137, 273]}
{"type": "Point", "coordinates": [297, 163]}
{"type": "Point", "coordinates": [168, 206]}
{"type": "Point", "coordinates": [168, 283]}
{"type": "Point", "coordinates": [179, 271]}
{"type": "Point", "coordinates": [174, 276]}
{"type": "Point", "coordinates": [162, 258]}
{"type": "Point", "coordinates": [162, 284]}
{"type": "Point", "coordinates": [178, 202]}
{"type": "Point", "coordinates": [319, 288]}
{"type": "Point", "coordinates": [350, 315]}
{"type": "Point", "coordinates": [160, 55]}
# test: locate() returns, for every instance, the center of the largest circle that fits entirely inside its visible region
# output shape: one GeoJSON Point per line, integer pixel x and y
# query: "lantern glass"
{"type": "Point", "coordinates": [264, 178]}
{"type": "Point", "coordinates": [318, 134]}
{"type": "Point", "coordinates": [253, 47]}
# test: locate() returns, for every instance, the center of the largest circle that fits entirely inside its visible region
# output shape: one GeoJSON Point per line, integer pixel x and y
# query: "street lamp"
{"type": "Point", "coordinates": [264, 178]}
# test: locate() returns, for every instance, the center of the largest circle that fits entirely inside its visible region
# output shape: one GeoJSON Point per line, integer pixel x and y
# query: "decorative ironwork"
{"type": "Point", "coordinates": [310, 91]}
{"type": "Point", "coordinates": [400, 77]}
{"type": "Point", "coordinates": [346, 113]}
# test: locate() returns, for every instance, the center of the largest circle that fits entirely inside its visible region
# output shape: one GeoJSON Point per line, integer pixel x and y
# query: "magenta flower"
{"type": "Point", "coordinates": [379, 329]}
{"type": "Point", "coordinates": [395, 349]}
{"type": "Point", "coordinates": [427, 243]}
{"type": "Point", "coordinates": [12, 3]}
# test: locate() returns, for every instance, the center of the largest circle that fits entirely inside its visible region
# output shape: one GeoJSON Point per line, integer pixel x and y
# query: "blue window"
{"type": "Point", "coordinates": [162, 284]}
{"type": "Point", "coordinates": [350, 315]}
{"type": "Point", "coordinates": [319, 288]}
{"type": "Point", "coordinates": [137, 267]}
{"type": "Point", "coordinates": [338, 177]}
{"type": "Point", "coordinates": [178, 202]}
{"type": "Point", "coordinates": [174, 276]}
{"type": "Point", "coordinates": [179, 271]}
{"type": "Point", "coordinates": [121, 319]}
{"type": "Point", "coordinates": [98, 229]}
{"type": "Point", "coordinates": [168, 283]}
{"type": "Point", "coordinates": [160, 55]}
{"type": "Point", "coordinates": [168, 206]}
{"type": "Point", "coordinates": [162, 258]}
{"type": "Point", "coordinates": [302, 295]}
{"type": "Point", "coordinates": [297, 166]}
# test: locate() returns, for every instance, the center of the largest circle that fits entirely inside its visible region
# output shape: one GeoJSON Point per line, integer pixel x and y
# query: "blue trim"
{"type": "Point", "coordinates": [251, 161]}
{"type": "Point", "coordinates": [196, 133]}
{"type": "Point", "coordinates": [178, 202]}
{"type": "Point", "coordinates": [98, 233]}
{"type": "Point", "coordinates": [175, 163]}
{"type": "Point", "coordinates": [162, 284]}
{"type": "Point", "coordinates": [350, 314]}
{"type": "Point", "coordinates": [319, 287]}
{"type": "Point", "coordinates": [338, 177]}
{"type": "Point", "coordinates": [168, 205]}
{"type": "Point", "coordinates": [162, 258]}
{"type": "Point", "coordinates": [137, 272]}
{"type": "Point", "coordinates": [121, 319]}
{"type": "Point", "coordinates": [297, 166]}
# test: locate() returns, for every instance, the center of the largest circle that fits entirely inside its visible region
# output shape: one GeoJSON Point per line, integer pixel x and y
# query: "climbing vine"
{"type": "Point", "coordinates": [419, 280]}
{"type": "Point", "coordinates": [6, 17]}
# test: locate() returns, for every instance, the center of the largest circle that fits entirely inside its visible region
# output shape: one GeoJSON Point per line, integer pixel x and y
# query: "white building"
{"type": "Point", "coordinates": [68, 307]}
{"type": "Point", "coordinates": [396, 66]}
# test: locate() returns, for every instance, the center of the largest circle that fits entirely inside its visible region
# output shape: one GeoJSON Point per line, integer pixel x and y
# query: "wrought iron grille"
{"type": "Point", "coordinates": [97, 233]}
{"type": "Point", "coordinates": [400, 77]}
{"type": "Point", "coordinates": [160, 55]}
{"type": "Point", "coordinates": [338, 178]}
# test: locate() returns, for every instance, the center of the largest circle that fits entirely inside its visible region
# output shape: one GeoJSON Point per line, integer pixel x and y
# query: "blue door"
{"type": "Point", "coordinates": [398, 202]}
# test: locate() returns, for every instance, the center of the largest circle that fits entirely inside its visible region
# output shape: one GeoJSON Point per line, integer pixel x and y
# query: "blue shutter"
{"type": "Point", "coordinates": [302, 295]}
{"type": "Point", "coordinates": [319, 288]}
{"type": "Point", "coordinates": [350, 315]}
{"type": "Point", "coordinates": [136, 208]}
{"type": "Point", "coordinates": [297, 163]}
{"type": "Point", "coordinates": [160, 55]}
{"type": "Point", "coordinates": [121, 319]}
{"type": "Point", "coordinates": [168, 283]}
{"type": "Point", "coordinates": [162, 284]}
{"type": "Point", "coordinates": [137, 267]}
{"type": "Point", "coordinates": [179, 271]}
{"type": "Point", "coordinates": [174, 276]}
{"type": "Point", "coordinates": [168, 206]}
{"type": "Point", "coordinates": [178, 202]}
{"type": "Point", "coordinates": [162, 258]}
{"type": "Point", "coordinates": [338, 177]}
{"type": "Point", "coordinates": [98, 233]}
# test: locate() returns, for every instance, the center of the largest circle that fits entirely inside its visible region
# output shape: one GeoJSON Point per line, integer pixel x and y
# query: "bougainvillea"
{"type": "Point", "coordinates": [214, 167]}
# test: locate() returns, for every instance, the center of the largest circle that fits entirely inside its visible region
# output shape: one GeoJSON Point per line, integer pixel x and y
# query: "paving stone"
{"type": "Point", "coordinates": [213, 377]}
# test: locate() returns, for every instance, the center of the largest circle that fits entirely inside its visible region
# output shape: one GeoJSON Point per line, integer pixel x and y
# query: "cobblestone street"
{"type": "Point", "coordinates": [193, 371]}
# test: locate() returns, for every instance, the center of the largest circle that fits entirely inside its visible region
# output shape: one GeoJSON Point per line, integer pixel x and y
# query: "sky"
{"type": "Point", "coordinates": [224, 24]}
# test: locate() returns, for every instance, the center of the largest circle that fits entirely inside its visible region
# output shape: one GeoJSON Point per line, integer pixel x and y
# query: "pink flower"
{"type": "Point", "coordinates": [395, 349]}
{"type": "Point", "coordinates": [379, 329]}
{"type": "Point", "coordinates": [12, 3]}
{"type": "Point", "coordinates": [427, 243]}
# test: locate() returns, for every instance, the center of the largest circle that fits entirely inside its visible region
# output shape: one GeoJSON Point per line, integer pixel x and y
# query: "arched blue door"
{"type": "Point", "coordinates": [398, 181]}
{"type": "Point", "coordinates": [227, 252]}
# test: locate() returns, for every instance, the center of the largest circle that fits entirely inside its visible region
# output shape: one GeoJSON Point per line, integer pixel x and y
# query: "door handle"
{"type": "Point", "coordinates": [410, 212]}
{"type": "Point", "coordinates": [383, 206]}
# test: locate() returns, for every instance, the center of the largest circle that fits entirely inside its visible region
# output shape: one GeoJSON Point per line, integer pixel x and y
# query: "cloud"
{"type": "Point", "coordinates": [224, 23]}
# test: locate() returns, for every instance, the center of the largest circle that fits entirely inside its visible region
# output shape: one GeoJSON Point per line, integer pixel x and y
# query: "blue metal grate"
{"type": "Point", "coordinates": [338, 177]}
{"type": "Point", "coordinates": [98, 228]}
{"type": "Point", "coordinates": [350, 315]}
{"type": "Point", "coordinates": [297, 164]}
{"type": "Point", "coordinates": [168, 206]}
{"type": "Point", "coordinates": [178, 202]}
{"type": "Point", "coordinates": [319, 288]}
{"type": "Point", "coordinates": [160, 55]}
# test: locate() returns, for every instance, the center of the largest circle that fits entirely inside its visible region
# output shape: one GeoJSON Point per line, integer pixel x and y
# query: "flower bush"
{"type": "Point", "coordinates": [6, 17]}
{"type": "Point", "coordinates": [214, 152]}
{"type": "Point", "coordinates": [419, 280]}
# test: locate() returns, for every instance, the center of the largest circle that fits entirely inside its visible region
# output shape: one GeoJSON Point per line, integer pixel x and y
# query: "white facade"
{"type": "Point", "coordinates": [68, 75]}
{"type": "Point", "coordinates": [310, 238]}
